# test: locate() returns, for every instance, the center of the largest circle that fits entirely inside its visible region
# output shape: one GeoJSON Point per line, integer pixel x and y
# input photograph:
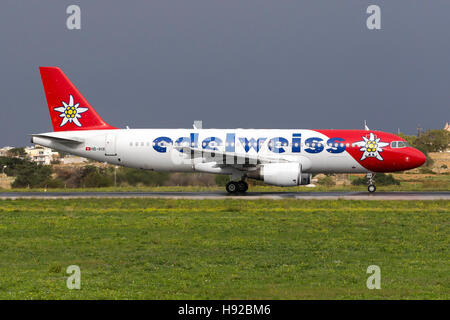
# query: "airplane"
{"type": "Point", "coordinates": [280, 157]}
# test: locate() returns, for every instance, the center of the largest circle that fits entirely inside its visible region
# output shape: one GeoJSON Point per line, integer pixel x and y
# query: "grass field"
{"type": "Point", "coordinates": [424, 185]}
{"type": "Point", "coordinates": [243, 249]}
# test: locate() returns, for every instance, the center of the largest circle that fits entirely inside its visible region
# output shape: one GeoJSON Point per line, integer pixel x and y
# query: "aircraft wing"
{"type": "Point", "coordinates": [231, 159]}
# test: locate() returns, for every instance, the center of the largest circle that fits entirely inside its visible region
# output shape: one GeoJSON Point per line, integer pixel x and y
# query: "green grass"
{"type": "Point", "coordinates": [425, 185]}
{"type": "Point", "coordinates": [224, 249]}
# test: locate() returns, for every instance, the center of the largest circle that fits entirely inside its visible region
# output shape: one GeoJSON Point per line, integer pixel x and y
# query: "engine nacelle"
{"type": "Point", "coordinates": [286, 174]}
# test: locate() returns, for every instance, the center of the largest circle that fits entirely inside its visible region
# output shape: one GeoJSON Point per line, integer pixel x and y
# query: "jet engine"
{"type": "Point", "coordinates": [286, 174]}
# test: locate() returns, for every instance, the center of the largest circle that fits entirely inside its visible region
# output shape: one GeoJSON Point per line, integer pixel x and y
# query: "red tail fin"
{"type": "Point", "coordinates": [69, 110]}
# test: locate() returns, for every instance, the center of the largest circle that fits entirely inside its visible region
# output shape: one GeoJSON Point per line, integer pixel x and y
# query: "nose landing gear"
{"type": "Point", "coordinates": [237, 186]}
{"type": "Point", "coordinates": [371, 188]}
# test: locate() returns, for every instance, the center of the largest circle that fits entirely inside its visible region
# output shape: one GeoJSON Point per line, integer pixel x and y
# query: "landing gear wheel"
{"type": "Point", "coordinates": [242, 186]}
{"type": "Point", "coordinates": [232, 187]}
{"type": "Point", "coordinates": [371, 187]}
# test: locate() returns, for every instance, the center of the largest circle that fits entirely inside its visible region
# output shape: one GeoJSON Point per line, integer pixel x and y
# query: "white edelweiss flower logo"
{"type": "Point", "coordinates": [371, 147]}
{"type": "Point", "coordinates": [70, 112]}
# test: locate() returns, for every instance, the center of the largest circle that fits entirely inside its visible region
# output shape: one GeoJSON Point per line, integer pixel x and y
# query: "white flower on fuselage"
{"type": "Point", "coordinates": [371, 147]}
{"type": "Point", "coordinates": [70, 112]}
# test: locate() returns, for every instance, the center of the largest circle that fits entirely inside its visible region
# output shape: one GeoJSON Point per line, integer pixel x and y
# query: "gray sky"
{"type": "Point", "coordinates": [245, 63]}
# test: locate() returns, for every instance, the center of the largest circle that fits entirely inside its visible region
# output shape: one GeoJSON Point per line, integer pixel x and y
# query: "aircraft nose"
{"type": "Point", "coordinates": [416, 158]}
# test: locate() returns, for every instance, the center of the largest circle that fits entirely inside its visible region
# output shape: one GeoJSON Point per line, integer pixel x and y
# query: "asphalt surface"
{"type": "Point", "coordinates": [445, 195]}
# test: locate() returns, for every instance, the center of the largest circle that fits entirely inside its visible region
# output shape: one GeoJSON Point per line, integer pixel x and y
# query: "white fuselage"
{"type": "Point", "coordinates": [155, 149]}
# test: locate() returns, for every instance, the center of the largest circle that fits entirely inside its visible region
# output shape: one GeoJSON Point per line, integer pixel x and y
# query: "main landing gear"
{"type": "Point", "coordinates": [237, 186]}
{"type": "Point", "coordinates": [371, 188]}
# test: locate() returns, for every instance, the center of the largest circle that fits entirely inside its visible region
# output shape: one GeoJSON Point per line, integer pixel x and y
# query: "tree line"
{"type": "Point", "coordinates": [29, 174]}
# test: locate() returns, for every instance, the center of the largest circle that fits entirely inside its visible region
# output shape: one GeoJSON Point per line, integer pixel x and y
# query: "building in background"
{"type": "Point", "coordinates": [70, 159]}
{"type": "Point", "coordinates": [42, 155]}
{"type": "Point", "coordinates": [4, 151]}
{"type": "Point", "coordinates": [45, 156]}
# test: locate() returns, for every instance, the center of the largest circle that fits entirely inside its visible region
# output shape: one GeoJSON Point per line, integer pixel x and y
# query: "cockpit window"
{"type": "Point", "coordinates": [399, 144]}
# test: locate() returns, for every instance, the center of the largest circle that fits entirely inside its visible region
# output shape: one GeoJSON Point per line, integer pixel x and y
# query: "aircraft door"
{"type": "Point", "coordinates": [110, 145]}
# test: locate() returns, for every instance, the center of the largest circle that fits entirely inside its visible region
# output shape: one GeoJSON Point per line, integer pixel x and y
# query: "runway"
{"type": "Point", "coordinates": [444, 195]}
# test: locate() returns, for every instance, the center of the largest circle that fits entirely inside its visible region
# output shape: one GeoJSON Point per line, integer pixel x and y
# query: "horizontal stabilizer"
{"type": "Point", "coordinates": [57, 138]}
